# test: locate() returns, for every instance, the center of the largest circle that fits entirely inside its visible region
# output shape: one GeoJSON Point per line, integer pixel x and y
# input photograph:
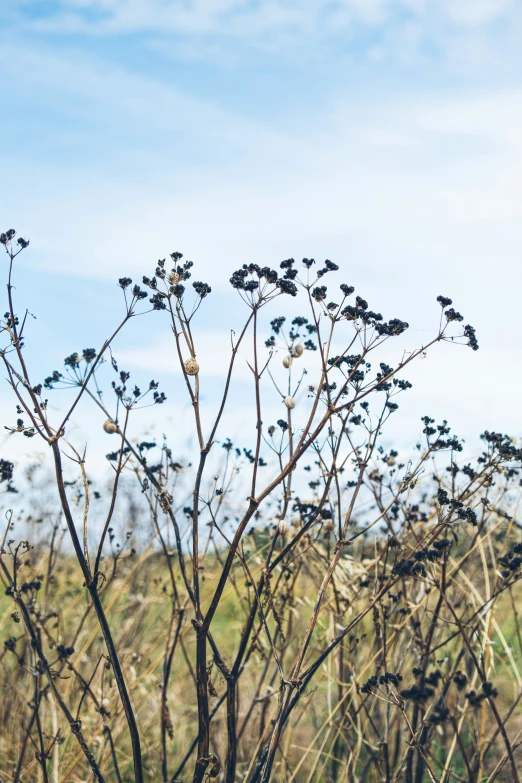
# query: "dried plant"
{"type": "Point", "coordinates": [354, 618]}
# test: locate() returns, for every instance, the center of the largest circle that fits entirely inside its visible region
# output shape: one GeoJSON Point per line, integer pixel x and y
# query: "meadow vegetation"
{"type": "Point", "coordinates": [308, 606]}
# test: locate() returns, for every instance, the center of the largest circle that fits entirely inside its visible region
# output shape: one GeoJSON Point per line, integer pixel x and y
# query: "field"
{"type": "Point", "coordinates": [336, 732]}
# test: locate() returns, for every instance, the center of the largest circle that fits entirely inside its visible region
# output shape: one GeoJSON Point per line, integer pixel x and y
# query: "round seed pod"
{"type": "Point", "coordinates": [110, 427]}
{"type": "Point", "coordinates": [287, 361]}
{"type": "Point", "coordinates": [191, 367]}
{"type": "Point", "coordinates": [289, 402]}
{"type": "Point", "coordinates": [298, 351]}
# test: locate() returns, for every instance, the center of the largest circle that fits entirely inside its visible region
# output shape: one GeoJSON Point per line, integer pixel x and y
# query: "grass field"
{"type": "Point", "coordinates": [336, 731]}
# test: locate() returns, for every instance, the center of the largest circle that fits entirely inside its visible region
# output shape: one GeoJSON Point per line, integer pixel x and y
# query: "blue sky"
{"type": "Point", "coordinates": [383, 134]}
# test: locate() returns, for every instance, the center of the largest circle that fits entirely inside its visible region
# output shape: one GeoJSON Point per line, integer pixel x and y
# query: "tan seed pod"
{"type": "Point", "coordinates": [110, 427]}
{"type": "Point", "coordinates": [191, 367]}
{"type": "Point", "coordinates": [298, 351]}
{"type": "Point", "coordinates": [287, 361]}
{"type": "Point", "coordinates": [290, 402]}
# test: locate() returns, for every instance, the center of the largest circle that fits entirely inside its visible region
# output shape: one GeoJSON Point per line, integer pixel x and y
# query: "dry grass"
{"type": "Point", "coordinates": [334, 729]}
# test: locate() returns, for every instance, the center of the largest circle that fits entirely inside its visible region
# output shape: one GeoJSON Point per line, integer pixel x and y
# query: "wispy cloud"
{"type": "Point", "coordinates": [119, 154]}
{"type": "Point", "coordinates": [131, 168]}
{"type": "Point", "coordinates": [378, 29]}
{"type": "Point", "coordinates": [245, 16]}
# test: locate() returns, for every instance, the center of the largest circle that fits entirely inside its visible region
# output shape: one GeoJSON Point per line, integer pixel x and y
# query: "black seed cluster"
{"type": "Point", "coordinates": [460, 680]}
{"type": "Point", "coordinates": [453, 315]}
{"type": "Point", "coordinates": [440, 714]}
{"type": "Point", "coordinates": [406, 567]}
{"type": "Point", "coordinates": [511, 561]}
{"type": "Point", "coordinates": [7, 237]}
{"type": "Point", "coordinates": [64, 652]}
{"type": "Point", "coordinates": [470, 333]}
{"type": "Point", "coordinates": [488, 691]}
{"type": "Point", "coordinates": [240, 281]}
{"type": "Point", "coordinates": [418, 693]}
{"type": "Point", "coordinates": [443, 499]}
{"type": "Point", "coordinates": [6, 470]}
{"type": "Point", "coordinates": [385, 679]}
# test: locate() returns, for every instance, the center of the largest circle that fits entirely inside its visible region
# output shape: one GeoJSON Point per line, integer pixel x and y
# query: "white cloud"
{"type": "Point", "coordinates": [477, 12]}
{"type": "Point", "coordinates": [413, 195]}
{"type": "Point", "coordinates": [403, 182]}
{"type": "Point", "coordinates": [290, 20]}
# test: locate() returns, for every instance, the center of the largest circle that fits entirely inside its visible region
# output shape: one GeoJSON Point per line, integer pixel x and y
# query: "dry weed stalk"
{"type": "Point", "coordinates": [363, 641]}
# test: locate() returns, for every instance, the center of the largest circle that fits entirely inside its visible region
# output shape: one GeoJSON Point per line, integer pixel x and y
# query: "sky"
{"type": "Point", "coordinates": [385, 135]}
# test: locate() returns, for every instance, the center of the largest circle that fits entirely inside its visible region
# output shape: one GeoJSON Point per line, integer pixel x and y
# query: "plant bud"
{"type": "Point", "coordinates": [191, 367]}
